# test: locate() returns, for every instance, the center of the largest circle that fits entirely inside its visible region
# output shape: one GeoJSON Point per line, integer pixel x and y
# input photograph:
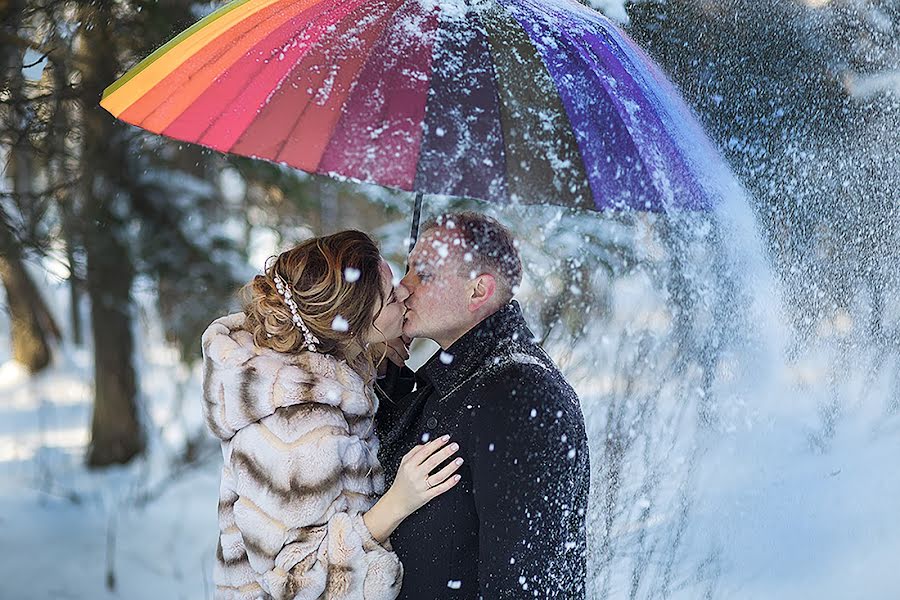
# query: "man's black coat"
{"type": "Point", "coordinates": [514, 526]}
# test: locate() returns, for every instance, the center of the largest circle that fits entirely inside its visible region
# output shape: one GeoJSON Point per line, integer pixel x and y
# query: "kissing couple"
{"type": "Point", "coordinates": [347, 475]}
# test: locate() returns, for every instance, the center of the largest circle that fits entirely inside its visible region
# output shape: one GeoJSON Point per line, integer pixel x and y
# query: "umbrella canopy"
{"type": "Point", "coordinates": [537, 101]}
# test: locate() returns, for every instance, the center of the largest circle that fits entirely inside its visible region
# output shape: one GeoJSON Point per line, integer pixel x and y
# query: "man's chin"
{"type": "Point", "coordinates": [409, 326]}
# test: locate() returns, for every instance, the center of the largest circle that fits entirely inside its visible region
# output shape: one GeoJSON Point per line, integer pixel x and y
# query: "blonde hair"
{"type": "Point", "coordinates": [336, 283]}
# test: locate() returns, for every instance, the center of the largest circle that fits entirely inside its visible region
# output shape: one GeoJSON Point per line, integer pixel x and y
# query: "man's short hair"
{"type": "Point", "coordinates": [488, 247]}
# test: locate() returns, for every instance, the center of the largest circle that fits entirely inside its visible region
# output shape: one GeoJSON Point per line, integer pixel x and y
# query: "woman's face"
{"type": "Point", "coordinates": [389, 321]}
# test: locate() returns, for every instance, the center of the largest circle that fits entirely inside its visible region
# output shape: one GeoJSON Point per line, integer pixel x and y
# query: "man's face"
{"type": "Point", "coordinates": [438, 294]}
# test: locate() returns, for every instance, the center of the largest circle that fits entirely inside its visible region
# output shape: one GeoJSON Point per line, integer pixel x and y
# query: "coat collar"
{"type": "Point", "coordinates": [448, 368]}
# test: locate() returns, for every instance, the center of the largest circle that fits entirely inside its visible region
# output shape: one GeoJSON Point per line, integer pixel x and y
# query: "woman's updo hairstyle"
{"type": "Point", "coordinates": [336, 284]}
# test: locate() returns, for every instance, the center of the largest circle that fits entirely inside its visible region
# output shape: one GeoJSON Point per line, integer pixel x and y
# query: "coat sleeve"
{"type": "Point", "coordinates": [529, 474]}
{"type": "Point", "coordinates": [303, 535]}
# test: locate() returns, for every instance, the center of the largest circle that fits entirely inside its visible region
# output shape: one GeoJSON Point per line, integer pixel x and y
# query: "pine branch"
{"type": "Point", "coordinates": [70, 92]}
{"type": "Point", "coordinates": [43, 194]}
{"type": "Point", "coordinates": [11, 39]}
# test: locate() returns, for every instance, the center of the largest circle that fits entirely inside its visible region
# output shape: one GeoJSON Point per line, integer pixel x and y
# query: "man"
{"type": "Point", "coordinates": [514, 526]}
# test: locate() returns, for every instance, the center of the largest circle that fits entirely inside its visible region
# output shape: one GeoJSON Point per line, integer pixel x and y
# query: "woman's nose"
{"type": "Point", "coordinates": [401, 292]}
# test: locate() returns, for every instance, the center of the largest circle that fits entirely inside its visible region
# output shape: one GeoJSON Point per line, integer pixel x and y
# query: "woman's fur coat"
{"type": "Point", "coordinates": [300, 469]}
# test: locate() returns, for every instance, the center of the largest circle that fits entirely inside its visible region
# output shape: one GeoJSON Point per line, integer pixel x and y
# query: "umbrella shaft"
{"type": "Point", "coordinates": [414, 229]}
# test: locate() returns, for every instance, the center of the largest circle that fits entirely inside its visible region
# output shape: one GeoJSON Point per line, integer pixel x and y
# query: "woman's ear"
{"type": "Point", "coordinates": [482, 290]}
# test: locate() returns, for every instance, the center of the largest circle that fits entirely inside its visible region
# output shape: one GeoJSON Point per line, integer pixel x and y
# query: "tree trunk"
{"type": "Point", "coordinates": [32, 326]}
{"type": "Point", "coordinates": [75, 281]}
{"type": "Point", "coordinates": [116, 432]}
{"type": "Point", "coordinates": [61, 178]}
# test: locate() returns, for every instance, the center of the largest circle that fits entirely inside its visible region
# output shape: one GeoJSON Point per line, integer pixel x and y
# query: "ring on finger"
{"type": "Point", "coordinates": [428, 483]}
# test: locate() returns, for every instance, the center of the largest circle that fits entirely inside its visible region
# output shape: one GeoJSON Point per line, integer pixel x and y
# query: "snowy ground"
{"type": "Point", "coordinates": [148, 529]}
{"type": "Point", "coordinates": [767, 516]}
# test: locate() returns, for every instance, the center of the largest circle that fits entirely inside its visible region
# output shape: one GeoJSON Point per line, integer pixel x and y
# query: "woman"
{"type": "Point", "coordinates": [288, 388]}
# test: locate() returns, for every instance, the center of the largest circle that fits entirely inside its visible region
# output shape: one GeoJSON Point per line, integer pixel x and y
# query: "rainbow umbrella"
{"type": "Point", "coordinates": [534, 101]}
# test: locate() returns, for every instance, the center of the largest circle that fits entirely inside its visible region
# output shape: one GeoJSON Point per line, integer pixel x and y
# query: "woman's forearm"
{"type": "Point", "coordinates": [383, 518]}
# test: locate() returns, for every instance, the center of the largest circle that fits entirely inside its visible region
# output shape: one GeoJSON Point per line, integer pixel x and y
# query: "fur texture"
{"type": "Point", "coordinates": [300, 469]}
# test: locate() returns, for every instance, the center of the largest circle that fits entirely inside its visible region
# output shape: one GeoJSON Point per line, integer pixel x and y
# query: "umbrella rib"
{"type": "Point", "coordinates": [639, 81]}
{"type": "Point", "coordinates": [351, 86]}
{"type": "Point", "coordinates": [306, 106]}
{"type": "Point", "coordinates": [495, 80]}
{"type": "Point", "coordinates": [210, 65]}
{"type": "Point", "coordinates": [698, 137]}
{"type": "Point", "coordinates": [261, 67]}
{"type": "Point", "coordinates": [564, 113]}
{"type": "Point", "coordinates": [578, 47]}
{"type": "Point", "coordinates": [618, 108]}
{"type": "Point", "coordinates": [165, 48]}
{"type": "Point", "coordinates": [448, 33]}
{"type": "Point", "coordinates": [403, 4]}
{"type": "Point", "coordinates": [425, 109]}
{"type": "Point", "coordinates": [424, 123]}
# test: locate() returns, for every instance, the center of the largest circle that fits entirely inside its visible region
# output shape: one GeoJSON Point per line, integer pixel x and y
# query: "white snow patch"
{"type": "Point", "coordinates": [339, 323]}
{"type": "Point", "coordinates": [351, 275]}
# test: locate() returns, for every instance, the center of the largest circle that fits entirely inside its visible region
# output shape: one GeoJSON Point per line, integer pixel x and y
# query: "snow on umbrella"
{"type": "Point", "coordinates": [533, 101]}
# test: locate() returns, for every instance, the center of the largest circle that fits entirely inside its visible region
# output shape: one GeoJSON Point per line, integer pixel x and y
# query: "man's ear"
{"type": "Point", "coordinates": [481, 290]}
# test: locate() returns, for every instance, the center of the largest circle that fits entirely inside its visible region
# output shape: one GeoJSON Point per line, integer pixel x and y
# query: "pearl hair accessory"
{"type": "Point", "coordinates": [308, 338]}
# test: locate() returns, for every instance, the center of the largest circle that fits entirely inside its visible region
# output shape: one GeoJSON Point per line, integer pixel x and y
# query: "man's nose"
{"type": "Point", "coordinates": [407, 284]}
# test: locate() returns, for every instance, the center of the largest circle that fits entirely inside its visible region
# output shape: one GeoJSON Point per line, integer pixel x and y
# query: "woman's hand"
{"type": "Point", "coordinates": [414, 486]}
